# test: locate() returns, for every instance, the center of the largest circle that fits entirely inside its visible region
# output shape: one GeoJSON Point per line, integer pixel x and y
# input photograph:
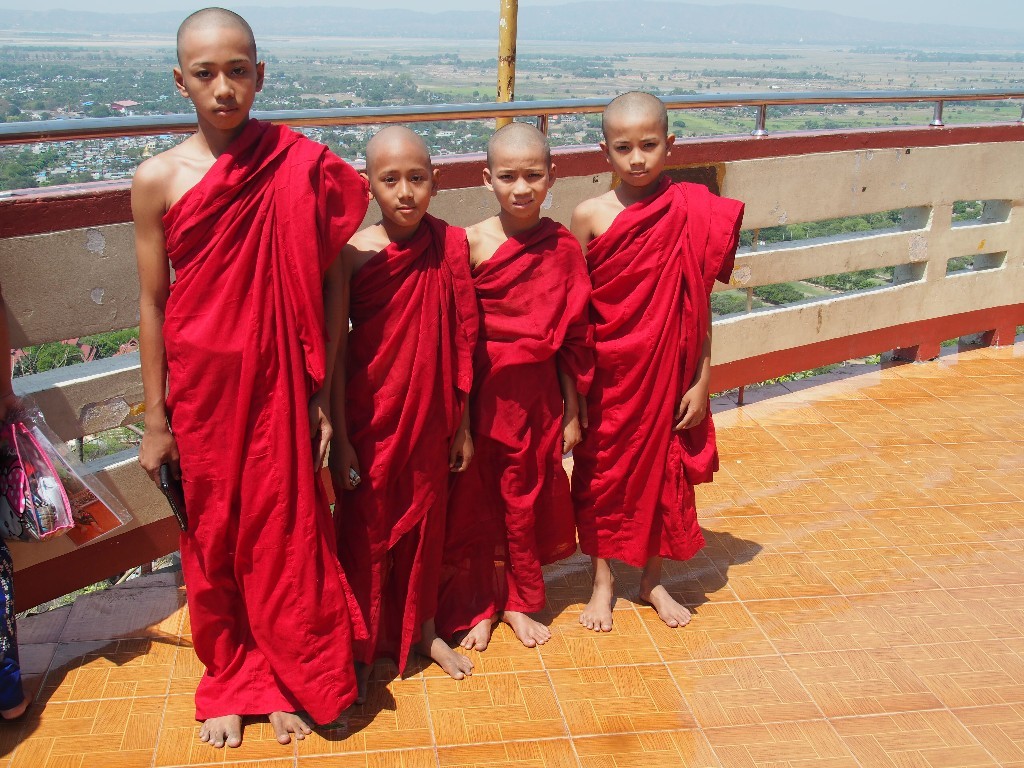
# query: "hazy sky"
{"type": "Point", "coordinates": [988, 13]}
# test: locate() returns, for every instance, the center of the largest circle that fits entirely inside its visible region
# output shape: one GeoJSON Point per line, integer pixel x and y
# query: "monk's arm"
{"type": "Point", "coordinates": [322, 416]}
{"type": "Point", "coordinates": [8, 400]}
{"type": "Point", "coordinates": [342, 460]}
{"type": "Point", "coordinates": [694, 404]}
{"type": "Point", "coordinates": [461, 452]}
{"type": "Point", "coordinates": [572, 431]}
{"type": "Point", "coordinates": [158, 444]}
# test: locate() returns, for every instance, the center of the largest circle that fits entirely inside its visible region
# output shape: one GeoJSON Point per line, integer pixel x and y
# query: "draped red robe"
{"type": "Point", "coordinates": [244, 335]}
{"type": "Point", "coordinates": [409, 371]}
{"type": "Point", "coordinates": [511, 512]}
{"type": "Point", "coordinates": [652, 273]}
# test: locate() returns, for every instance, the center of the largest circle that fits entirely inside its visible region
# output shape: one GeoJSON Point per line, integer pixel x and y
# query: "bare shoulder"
{"type": "Point", "coordinates": [484, 239]}
{"type": "Point", "coordinates": [151, 181]}
{"type": "Point", "coordinates": [593, 217]}
{"type": "Point", "coordinates": [364, 245]}
{"type": "Point", "coordinates": [166, 177]}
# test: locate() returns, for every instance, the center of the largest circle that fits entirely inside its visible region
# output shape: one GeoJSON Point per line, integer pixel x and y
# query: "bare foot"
{"type": "Point", "coordinates": [288, 723]}
{"type": "Point", "coordinates": [670, 611]}
{"type": "Point", "coordinates": [16, 711]}
{"type": "Point", "coordinates": [455, 664]}
{"type": "Point", "coordinates": [597, 615]}
{"type": "Point", "coordinates": [452, 662]}
{"type": "Point", "coordinates": [362, 679]}
{"type": "Point", "coordinates": [221, 731]}
{"type": "Point", "coordinates": [478, 638]}
{"type": "Point", "coordinates": [530, 632]}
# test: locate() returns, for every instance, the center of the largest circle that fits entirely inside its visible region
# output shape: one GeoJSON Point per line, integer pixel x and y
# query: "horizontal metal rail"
{"type": "Point", "coordinates": [77, 129]}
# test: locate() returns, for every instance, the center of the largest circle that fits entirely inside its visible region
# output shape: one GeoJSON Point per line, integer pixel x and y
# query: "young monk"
{"type": "Point", "coordinates": [251, 216]}
{"type": "Point", "coordinates": [402, 384]}
{"type": "Point", "coordinates": [654, 250]}
{"type": "Point", "coordinates": [512, 509]}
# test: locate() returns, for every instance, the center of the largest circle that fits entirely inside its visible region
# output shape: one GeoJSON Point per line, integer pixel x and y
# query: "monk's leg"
{"type": "Point", "coordinates": [479, 637]}
{"type": "Point", "coordinates": [222, 731]}
{"type": "Point", "coordinates": [287, 724]}
{"type": "Point", "coordinates": [362, 680]}
{"type": "Point", "coordinates": [455, 664]}
{"type": "Point", "coordinates": [525, 592]}
{"type": "Point", "coordinates": [597, 615]}
{"type": "Point", "coordinates": [651, 591]}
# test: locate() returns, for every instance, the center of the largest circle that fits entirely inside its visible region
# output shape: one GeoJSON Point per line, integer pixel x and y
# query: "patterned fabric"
{"type": "Point", "coordinates": [11, 693]}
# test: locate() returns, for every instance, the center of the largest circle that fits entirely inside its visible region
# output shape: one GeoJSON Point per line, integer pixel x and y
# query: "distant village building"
{"type": "Point", "coordinates": [124, 106]}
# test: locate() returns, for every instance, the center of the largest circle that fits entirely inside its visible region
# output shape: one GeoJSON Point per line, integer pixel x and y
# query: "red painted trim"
{"type": "Point", "coordinates": [94, 562]}
{"type": "Point", "coordinates": [923, 334]}
{"type": "Point", "coordinates": [29, 212]}
{"type": "Point", "coordinates": [34, 212]}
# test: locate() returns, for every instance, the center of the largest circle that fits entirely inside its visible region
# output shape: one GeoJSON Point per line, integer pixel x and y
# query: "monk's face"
{"type": "Point", "coordinates": [402, 182]}
{"type": "Point", "coordinates": [219, 74]}
{"type": "Point", "coordinates": [520, 177]}
{"type": "Point", "coordinates": [637, 147]}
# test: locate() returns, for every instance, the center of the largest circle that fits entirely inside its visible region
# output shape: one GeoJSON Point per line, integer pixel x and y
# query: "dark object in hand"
{"type": "Point", "coordinates": [171, 487]}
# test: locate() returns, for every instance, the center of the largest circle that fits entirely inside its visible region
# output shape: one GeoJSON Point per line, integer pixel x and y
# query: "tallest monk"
{"type": "Point", "coordinates": [251, 217]}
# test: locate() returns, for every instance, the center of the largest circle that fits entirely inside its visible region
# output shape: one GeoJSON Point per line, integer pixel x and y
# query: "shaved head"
{"type": "Point", "coordinates": [215, 18]}
{"type": "Point", "coordinates": [396, 140]}
{"type": "Point", "coordinates": [634, 106]}
{"type": "Point", "coordinates": [518, 136]}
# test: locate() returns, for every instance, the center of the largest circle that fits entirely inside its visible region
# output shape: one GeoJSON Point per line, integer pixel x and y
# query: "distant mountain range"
{"type": "Point", "coordinates": [600, 21]}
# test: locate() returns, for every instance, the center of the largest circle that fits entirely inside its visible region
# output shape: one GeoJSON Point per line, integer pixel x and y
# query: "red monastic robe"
{"type": "Point", "coordinates": [244, 334]}
{"type": "Point", "coordinates": [652, 272]}
{"type": "Point", "coordinates": [409, 369]}
{"type": "Point", "coordinates": [511, 512]}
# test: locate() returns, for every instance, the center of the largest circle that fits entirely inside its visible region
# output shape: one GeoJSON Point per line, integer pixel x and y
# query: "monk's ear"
{"type": "Point", "coordinates": [435, 181]}
{"type": "Point", "coordinates": [369, 190]}
{"type": "Point", "coordinates": [551, 175]}
{"type": "Point", "coordinates": [670, 140]}
{"type": "Point", "coordinates": [604, 148]}
{"type": "Point", "coordinates": [487, 178]}
{"type": "Point", "coordinates": [260, 67]}
{"type": "Point", "coordinates": [179, 83]}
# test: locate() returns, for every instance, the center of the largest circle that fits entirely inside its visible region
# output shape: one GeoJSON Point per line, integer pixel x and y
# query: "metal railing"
{"type": "Point", "coordinates": [77, 129]}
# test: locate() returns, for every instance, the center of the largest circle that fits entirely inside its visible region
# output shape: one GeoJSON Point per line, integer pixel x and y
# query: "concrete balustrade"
{"type": "Point", "coordinates": [68, 270]}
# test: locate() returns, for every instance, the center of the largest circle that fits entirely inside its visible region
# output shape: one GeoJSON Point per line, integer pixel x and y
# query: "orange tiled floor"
{"type": "Point", "coordinates": [860, 602]}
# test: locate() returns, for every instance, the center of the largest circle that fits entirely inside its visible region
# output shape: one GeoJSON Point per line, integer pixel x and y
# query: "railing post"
{"type": "Point", "coordinates": [937, 115]}
{"type": "Point", "coordinates": [507, 55]}
{"type": "Point", "coordinates": [542, 124]}
{"type": "Point", "coordinates": [762, 116]}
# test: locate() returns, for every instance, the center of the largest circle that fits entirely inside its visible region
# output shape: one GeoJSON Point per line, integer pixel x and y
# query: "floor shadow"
{"type": "Point", "coordinates": [378, 699]}
{"type": "Point", "coordinates": [692, 581]}
{"type": "Point", "coordinates": [68, 659]}
{"type": "Point", "coordinates": [722, 550]}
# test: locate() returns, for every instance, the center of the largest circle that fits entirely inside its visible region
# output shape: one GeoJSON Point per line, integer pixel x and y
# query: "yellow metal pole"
{"type": "Point", "coordinates": [507, 54]}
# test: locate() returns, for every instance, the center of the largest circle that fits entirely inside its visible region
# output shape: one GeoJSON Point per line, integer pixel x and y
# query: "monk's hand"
{"type": "Point", "coordinates": [344, 466]}
{"type": "Point", "coordinates": [461, 452]}
{"type": "Point", "coordinates": [692, 408]}
{"type": "Point", "coordinates": [572, 432]}
{"type": "Point", "coordinates": [159, 447]}
{"type": "Point", "coordinates": [320, 429]}
{"type": "Point", "coordinates": [584, 421]}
